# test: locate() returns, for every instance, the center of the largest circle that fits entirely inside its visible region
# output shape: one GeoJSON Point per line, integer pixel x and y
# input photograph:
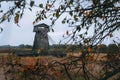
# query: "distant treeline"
{"type": "Point", "coordinates": [111, 48]}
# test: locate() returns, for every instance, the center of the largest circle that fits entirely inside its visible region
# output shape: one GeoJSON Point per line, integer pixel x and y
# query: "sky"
{"type": "Point", "coordinates": [14, 35]}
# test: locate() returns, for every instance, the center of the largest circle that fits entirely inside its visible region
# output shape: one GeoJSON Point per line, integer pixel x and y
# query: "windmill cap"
{"type": "Point", "coordinates": [42, 25]}
{"type": "Point", "coordinates": [39, 26]}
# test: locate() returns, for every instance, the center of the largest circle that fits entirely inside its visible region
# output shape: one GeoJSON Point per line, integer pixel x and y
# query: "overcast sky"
{"type": "Point", "coordinates": [14, 35]}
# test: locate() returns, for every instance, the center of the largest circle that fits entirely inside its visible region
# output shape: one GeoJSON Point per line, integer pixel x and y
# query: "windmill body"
{"type": "Point", "coordinates": [41, 37]}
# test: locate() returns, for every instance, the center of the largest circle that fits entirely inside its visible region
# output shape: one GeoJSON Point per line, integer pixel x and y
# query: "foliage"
{"type": "Point", "coordinates": [113, 49]}
{"type": "Point", "coordinates": [44, 53]}
{"type": "Point", "coordinates": [25, 46]}
{"type": "Point", "coordinates": [103, 48]}
{"type": "Point", "coordinates": [101, 16]}
{"type": "Point", "coordinates": [49, 68]}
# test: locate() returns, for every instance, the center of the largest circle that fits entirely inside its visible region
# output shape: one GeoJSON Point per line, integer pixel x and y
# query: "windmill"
{"type": "Point", "coordinates": [41, 40]}
{"type": "Point", "coordinates": [41, 37]}
{"type": "Point", "coordinates": [41, 43]}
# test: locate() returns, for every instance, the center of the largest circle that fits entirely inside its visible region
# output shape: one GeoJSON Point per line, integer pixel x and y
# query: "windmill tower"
{"type": "Point", "coordinates": [41, 37]}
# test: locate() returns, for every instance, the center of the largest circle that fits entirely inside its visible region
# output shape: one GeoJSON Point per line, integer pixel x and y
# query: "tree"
{"type": "Point", "coordinates": [101, 16]}
{"type": "Point", "coordinates": [22, 46]}
{"type": "Point", "coordinates": [103, 48]}
{"type": "Point", "coordinates": [119, 47]}
{"type": "Point", "coordinates": [113, 49]}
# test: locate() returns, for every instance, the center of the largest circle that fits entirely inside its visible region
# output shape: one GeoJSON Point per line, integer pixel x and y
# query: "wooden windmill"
{"type": "Point", "coordinates": [41, 37]}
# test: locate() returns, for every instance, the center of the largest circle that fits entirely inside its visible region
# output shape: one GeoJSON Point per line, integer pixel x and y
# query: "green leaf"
{"type": "Point", "coordinates": [17, 15]}
{"type": "Point", "coordinates": [30, 9]}
{"type": "Point", "coordinates": [57, 14]}
{"type": "Point", "coordinates": [71, 13]}
{"type": "Point", "coordinates": [53, 22]}
{"type": "Point", "coordinates": [1, 29]}
{"type": "Point", "coordinates": [32, 3]}
{"type": "Point", "coordinates": [63, 21]}
{"type": "Point", "coordinates": [75, 17]}
{"type": "Point", "coordinates": [86, 41]}
{"type": "Point", "coordinates": [41, 5]}
{"type": "Point", "coordinates": [62, 7]}
{"type": "Point", "coordinates": [80, 13]}
{"type": "Point", "coordinates": [72, 22]}
{"type": "Point", "coordinates": [42, 12]}
{"type": "Point", "coordinates": [71, 1]}
{"type": "Point", "coordinates": [78, 28]}
{"type": "Point", "coordinates": [52, 30]}
{"type": "Point", "coordinates": [45, 16]}
{"type": "Point", "coordinates": [77, 9]}
{"type": "Point", "coordinates": [86, 33]}
{"type": "Point", "coordinates": [80, 35]}
{"type": "Point", "coordinates": [16, 18]}
{"type": "Point", "coordinates": [87, 28]}
{"type": "Point", "coordinates": [83, 25]}
{"type": "Point", "coordinates": [67, 21]}
{"type": "Point", "coordinates": [1, 10]}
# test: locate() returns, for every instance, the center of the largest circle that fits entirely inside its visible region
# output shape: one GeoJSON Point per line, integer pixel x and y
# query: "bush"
{"type": "Point", "coordinates": [103, 48]}
{"type": "Point", "coordinates": [44, 53]}
{"type": "Point", "coordinates": [113, 49]}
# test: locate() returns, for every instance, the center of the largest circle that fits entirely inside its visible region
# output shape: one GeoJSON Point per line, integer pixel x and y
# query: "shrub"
{"type": "Point", "coordinates": [113, 49]}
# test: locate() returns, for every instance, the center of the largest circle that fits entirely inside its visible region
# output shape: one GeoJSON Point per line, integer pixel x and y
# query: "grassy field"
{"type": "Point", "coordinates": [94, 65]}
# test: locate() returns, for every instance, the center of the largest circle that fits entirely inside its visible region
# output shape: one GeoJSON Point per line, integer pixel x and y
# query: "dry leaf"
{"type": "Point", "coordinates": [87, 13]}
{"type": "Point", "coordinates": [99, 46]}
{"type": "Point", "coordinates": [67, 32]}
{"type": "Point", "coordinates": [89, 49]}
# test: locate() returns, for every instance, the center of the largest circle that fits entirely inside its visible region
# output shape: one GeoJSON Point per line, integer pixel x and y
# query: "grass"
{"type": "Point", "coordinates": [94, 67]}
